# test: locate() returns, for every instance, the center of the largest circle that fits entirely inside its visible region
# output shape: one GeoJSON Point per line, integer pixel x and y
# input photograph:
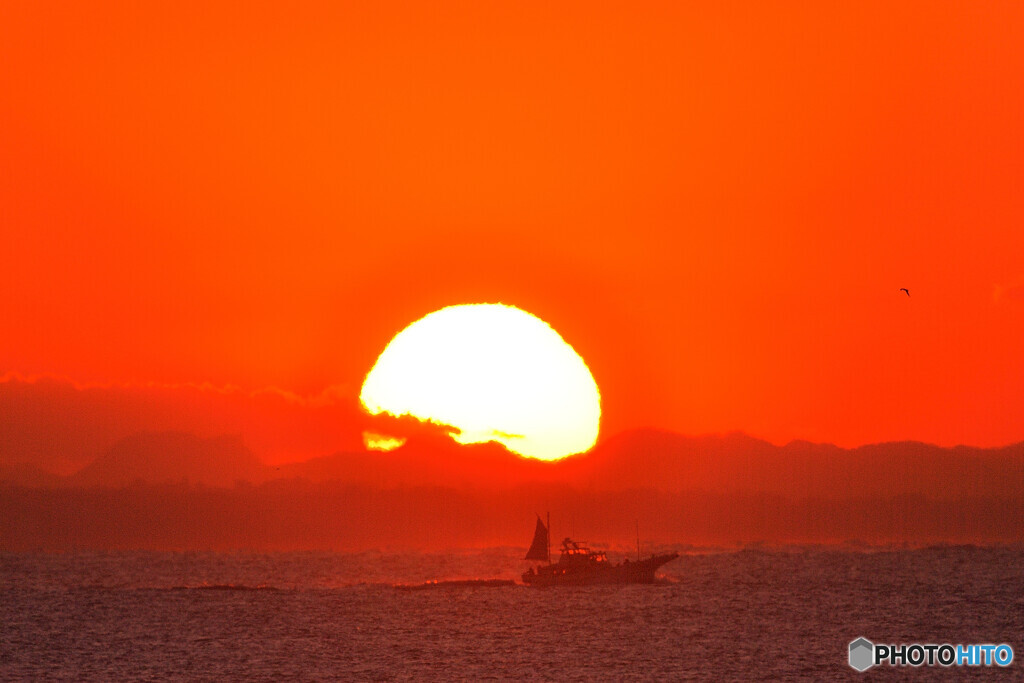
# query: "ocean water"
{"type": "Point", "coordinates": [743, 615]}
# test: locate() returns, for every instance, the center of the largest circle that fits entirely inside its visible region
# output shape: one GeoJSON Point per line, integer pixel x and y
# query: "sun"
{"type": "Point", "coordinates": [496, 373]}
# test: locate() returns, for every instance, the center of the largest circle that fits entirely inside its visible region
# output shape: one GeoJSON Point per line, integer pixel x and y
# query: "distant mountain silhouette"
{"type": "Point", "coordinates": [425, 460]}
{"type": "Point", "coordinates": [737, 462]}
{"type": "Point", "coordinates": [172, 457]}
{"type": "Point", "coordinates": [29, 475]}
{"type": "Point", "coordinates": [652, 459]}
{"type": "Point", "coordinates": [119, 435]}
{"type": "Point", "coordinates": [177, 490]}
{"type": "Point", "coordinates": [642, 459]}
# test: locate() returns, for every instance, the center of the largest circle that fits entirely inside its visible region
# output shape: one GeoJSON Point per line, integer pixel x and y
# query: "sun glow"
{"type": "Point", "coordinates": [496, 373]}
{"type": "Point", "coordinates": [380, 442]}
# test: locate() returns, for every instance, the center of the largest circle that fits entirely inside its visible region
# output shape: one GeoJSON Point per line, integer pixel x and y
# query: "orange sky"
{"type": "Point", "coordinates": [715, 204]}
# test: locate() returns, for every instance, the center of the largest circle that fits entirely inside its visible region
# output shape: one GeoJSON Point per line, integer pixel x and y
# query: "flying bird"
{"type": "Point", "coordinates": [904, 289]}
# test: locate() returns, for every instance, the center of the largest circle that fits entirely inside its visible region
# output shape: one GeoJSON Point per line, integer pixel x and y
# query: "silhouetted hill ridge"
{"type": "Point", "coordinates": [24, 474]}
{"type": "Point", "coordinates": [159, 457]}
{"type": "Point", "coordinates": [641, 459]}
{"type": "Point", "coordinates": [662, 460]}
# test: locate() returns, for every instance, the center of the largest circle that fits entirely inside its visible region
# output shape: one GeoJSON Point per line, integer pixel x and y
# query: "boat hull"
{"type": "Point", "coordinates": [642, 571]}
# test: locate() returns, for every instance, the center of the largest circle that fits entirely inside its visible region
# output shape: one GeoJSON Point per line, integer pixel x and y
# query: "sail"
{"type": "Point", "coordinates": [539, 549]}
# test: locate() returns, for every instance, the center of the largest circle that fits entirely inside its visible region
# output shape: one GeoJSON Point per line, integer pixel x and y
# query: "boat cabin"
{"type": "Point", "coordinates": [576, 552]}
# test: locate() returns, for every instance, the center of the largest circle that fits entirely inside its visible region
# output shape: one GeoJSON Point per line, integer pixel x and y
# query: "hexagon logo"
{"type": "Point", "coordinates": [862, 654]}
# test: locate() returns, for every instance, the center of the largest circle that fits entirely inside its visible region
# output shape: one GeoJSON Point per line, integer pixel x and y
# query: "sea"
{"type": "Point", "coordinates": [737, 614]}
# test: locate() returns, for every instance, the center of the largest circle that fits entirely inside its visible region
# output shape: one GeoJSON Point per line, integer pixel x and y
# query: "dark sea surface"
{"type": "Point", "coordinates": [740, 615]}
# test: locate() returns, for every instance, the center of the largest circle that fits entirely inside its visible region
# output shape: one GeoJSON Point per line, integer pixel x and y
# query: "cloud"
{"type": "Point", "coordinates": [60, 426]}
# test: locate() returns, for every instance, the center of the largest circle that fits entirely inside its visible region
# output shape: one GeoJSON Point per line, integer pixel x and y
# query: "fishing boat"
{"type": "Point", "coordinates": [578, 565]}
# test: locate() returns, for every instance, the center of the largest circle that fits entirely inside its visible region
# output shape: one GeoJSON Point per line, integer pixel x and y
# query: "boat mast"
{"type": "Point", "coordinates": [549, 536]}
{"type": "Point", "coordinates": [638, 540]}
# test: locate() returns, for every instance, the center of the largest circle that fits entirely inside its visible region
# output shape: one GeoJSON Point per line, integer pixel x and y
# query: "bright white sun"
{"type": "Point", "coordinates": [493, 371]}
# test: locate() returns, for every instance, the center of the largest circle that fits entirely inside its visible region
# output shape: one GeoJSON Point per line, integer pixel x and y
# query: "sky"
{"type": "Point", "coordinates": [716, 204]}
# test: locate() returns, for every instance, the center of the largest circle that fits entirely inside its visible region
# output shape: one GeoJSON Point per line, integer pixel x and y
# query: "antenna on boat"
{"type": "Point", "coordinates": [549, 536]}
{"type": "Point", "coordinates": [638, 540]}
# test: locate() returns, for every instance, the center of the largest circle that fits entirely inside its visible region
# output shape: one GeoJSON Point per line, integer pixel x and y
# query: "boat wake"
{"type": "Point", "coordinates": [223, 587]}
{"type": "Point", "coordinates": [457, 583]}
